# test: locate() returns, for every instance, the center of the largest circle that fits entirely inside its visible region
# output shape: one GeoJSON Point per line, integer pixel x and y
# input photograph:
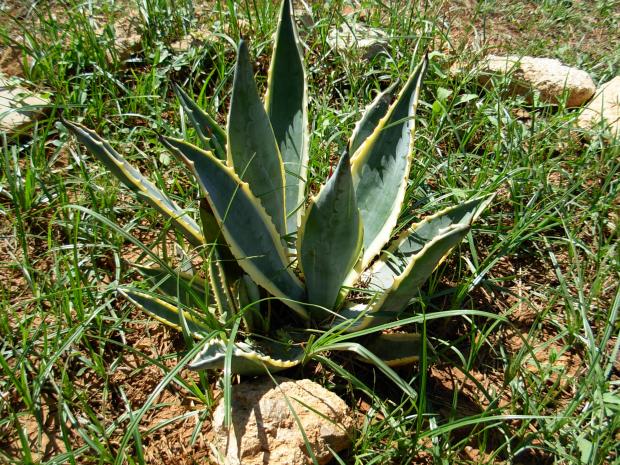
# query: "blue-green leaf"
{"type": "Point", "coordinates": [166, 312]}
{"type": "Point", "coordinates": [221, 288]}
{"type": "Point", "coordinates": [207, 128]}
{"type": "Point", "coordinates": [247, 229]}
{"type": "Point", "coordinates": [330, 238]}
{"type": "Point", "coordinates": [381, 167]}
{"type": "Point", "coordinates": [395, 259]}
{"type": "Point", "coordinates": [387, 304]}
{"type": "Point", "coordinates": [187, 289]}
{"type": "Point", "coordinates": [248, 359]}
{"type": "Point", "coordinates": [252, 148]}
{"type": "Point", "coordinates": [370, 119]}
{"type": "Point", "coordinates": [132, 178]}
{"type": "Point", "coordinates": [286, 103]}
{"type": "Point", "coordinates": [396, 349]}
{"type": "Point", "coordinates": [219, 250]}
{"type": "Point", "coordinates": [249, 302]}
{"type": "Point", "coordinates": [407, 285]}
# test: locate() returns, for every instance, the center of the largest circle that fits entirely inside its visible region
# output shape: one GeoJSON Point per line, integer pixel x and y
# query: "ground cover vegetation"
{"type": "Point", "coordinates": [519, 360]}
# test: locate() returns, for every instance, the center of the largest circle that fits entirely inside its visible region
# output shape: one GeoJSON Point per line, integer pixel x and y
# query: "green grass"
{"type": "Point", "coordinates": [537, 384]}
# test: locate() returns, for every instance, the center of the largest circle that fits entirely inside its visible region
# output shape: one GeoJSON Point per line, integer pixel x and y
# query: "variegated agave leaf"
{"type": "Point", "coordinates": [211, 134]}
{"type": "Point", "coordinates": [195, 324]}
{"type": "Point", "coordinates": [252, 148]}
{"type": "Point", "coordinates": [187, 289]}
{"type": "Point", "coordinates": [395, 349]}
{"type": "Point", "coordinates": [286, 103]}
{"type": "Point", "coordinates": [397, 257]}
{"type": "Point", "coordinates": [248, 296]}
{"type": "Point", "coordinates": [215, 241]}
{"type": "Point", "coordinates": [330, 239]}
{"type": "Point", "coordinates": [134, 180]}
{"type": "Point", "coordinates": [246, 359]}
{"type": "Point", "coordinates": [381, 167]}
{"type": "Point", "coordinates": [371, 118]}
{"type": "Point", "coordinates": [405, 286]}
{"type": "Point", "coordinates": [247, 228]}
{"type": "Point", "coordinates": [222, 288]}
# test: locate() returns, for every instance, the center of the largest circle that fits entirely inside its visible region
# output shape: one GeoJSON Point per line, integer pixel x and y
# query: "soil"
{"type": "Point", "coordinates": [514, 27]}
{"type": "Point", "coordinates": [177, 416]}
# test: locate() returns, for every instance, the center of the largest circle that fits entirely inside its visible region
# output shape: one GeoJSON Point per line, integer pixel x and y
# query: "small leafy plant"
{"type": "Point", "coordinates": [281, 269]}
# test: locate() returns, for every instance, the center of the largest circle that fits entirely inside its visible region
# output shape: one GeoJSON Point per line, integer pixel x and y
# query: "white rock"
{"type": "Point", "coordinates": [604, 107]}
{"type": "Point", "coordinates": [303, 13]}
{"type": "Point", "coordinates": [548, 76]}
{"type": "Point", "coordinates": [265, 432]}
{"type": "Point", "coordinates": [356, 36]}
{"type": "Point", "coordinates": [18, 106]}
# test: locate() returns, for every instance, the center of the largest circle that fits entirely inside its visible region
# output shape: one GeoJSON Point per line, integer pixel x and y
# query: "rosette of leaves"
{"type": "Point", "coordinates": [280, 266]}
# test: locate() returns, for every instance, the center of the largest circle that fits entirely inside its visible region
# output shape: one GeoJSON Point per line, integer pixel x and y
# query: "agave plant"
{"type": "Point", "coordinates": [279, 264]}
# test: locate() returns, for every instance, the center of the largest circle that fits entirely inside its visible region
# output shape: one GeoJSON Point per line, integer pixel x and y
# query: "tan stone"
{"type": "Point", "coordinates": [548, 76]}
{"type": "Point", "coordinates": [604, 107]}
{"type": "Point", "coordinates": [18, 106]}
{"type": "Point", "coordinates": [195, 39]}
{"type": "Point", "coordinates": [354, 36]}
{"type": "Point", "coordinates": [264, 430]}
{"type": "Point", "coordinates": [127, 37]}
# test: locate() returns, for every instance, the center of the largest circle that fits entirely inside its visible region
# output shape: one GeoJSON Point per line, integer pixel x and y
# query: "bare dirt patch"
{"type": "Point", "coordinates": [168, 427]}
{"type": "Point", "coordinates": [11, 11]}
{"type": "Point", "coordinates": [174, 430]}
{"type": "Point", "coordinates": [526, 25]}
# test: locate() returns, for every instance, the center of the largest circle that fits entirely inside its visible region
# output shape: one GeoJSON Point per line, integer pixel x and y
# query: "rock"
{"type": "Point", "coordinates": [356, 36]}
{"type": "Point", "coordinates": [195, 39]}
{"type": "Point", "coordinates": [548, 76]}
{"type": "Point", "coordinates": [604, 107]}
{"type": "Point", "coordinates": [12, 60]}
{"type": "Point", "coordinates": [18, 106]}
{"type": "Point", "coordinates": [265, 432]}
{"type": "Point", "coordinates": [303, 13]}
{"type": "Point", "coordinates": [354, 9]}
{"type": "Point", "coordinates": [128, 39]}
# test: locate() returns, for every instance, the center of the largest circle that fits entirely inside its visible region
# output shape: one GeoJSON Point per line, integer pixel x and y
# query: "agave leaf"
{"type": "Point", "coordinates": [407, 285]}
{"type": "Point", "coordinates": [395, 259]}
{"type": "Point", "coordinates": [369, 121]}
{"type": "Point", "coordinates": [222, 268]}
{"type": "Point", "coordinates": [286, 102]}
{"type": "Point", "coordinates": [386, 305]}
{"type": "Point", "coordinates": [166, 313]}
{"type": "Point", "coordinates": [381, 167]}
{"type": "Point", "coordinates": [354, 317]}
{"type": "Point", "coordinates": [252, 148]}
{"type": "Point", "coordinates": [363, 353]}
{"type": "Point", "coordinates": [249, 297]}
{"type": "Point", "coordinates": [132, 178]}
{"type": "Point", "coordinates": [396, 349]}
{"type": "Point", "coordinates": [207, 128]}
{"type": "Point", "coordinates": [221, 288]}
{"type": "Point", "coordinates": [220, 251]}
{"type": "Point", "coordinates": [185, 288]}
{"type": "Point", "coordinates": [330, 238]}
{"type": "Point", "coordinates": [210, 227]}
{"type": "Point", "coordinates": [246, 227]}
{"type": "Point", "coordinates": [248, 359]}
